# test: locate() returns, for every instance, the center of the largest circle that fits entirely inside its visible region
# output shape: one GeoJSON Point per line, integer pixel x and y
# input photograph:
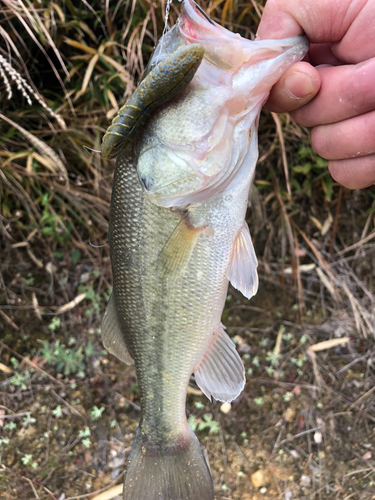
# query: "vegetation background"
{"type": "Point", "coordinates": [304, 426]}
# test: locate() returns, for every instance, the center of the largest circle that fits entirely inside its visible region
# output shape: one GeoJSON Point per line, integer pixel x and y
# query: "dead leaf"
{"type": "Point", "coordinates": [323, 278]}
{"type": "Point", "coordinates": [81, 46]}
{"type": "Point", "coordinates": [194, 392]}
{"type": "Point", "coordinates": [86, 79]}
{"type": "Point", "coordinates": [327, 224]}
{"type": "Point", "coordinates": [328, 344]}
{"type": "Point", "coordinates": [316, 222]}
{"type": "Point", "coordinates": [5, 368]}
{"type": "Point", "coordinates": [109, 494]}
{"type": "Point", "coordinates": [71, 304]}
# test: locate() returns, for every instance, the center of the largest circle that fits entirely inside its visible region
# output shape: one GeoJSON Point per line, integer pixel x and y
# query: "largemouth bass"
{"type": "Point", "coordinates": [178, 235]}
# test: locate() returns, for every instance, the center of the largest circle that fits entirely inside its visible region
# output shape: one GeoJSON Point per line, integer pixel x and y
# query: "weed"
{"type": "Point", "coordinates": [26, 459]}
{"type": "Point", "coordinates": [57, 412]}
{"type": "Point", "coordinates": [273, 358]}
{"type": "Point", "coordinates": [93, 297]}
{"type": "Point", "coordinates": [14, 362]}
{"type": "Point", "coordinates": [28, 420]}
{"type": "Point", "coordinates": [66, 361]}
{"type": "Point", "coordinates": [4, 441]}
{"type": "Point", "coordinates": [55, 323]}
{"type": "Point", "coordinates": [19, 379]}
{"type": "Point", "coordinates": [203, 424]}
{"type": "Point", "coordinates": [86, 442]}
{"type": "Point", "coordinates": [10, 426]}
{"type": "Point", "coordinates": [85, 435]}
{"type": "Point", "coordinates": [259, 401]}
{"type": "Point", "coordinates": [288, 396]}
{"type": "Point", "coordinates": [96, 412]}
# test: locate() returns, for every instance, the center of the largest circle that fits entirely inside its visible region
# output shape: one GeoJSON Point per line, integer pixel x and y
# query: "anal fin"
{"type": "Point", "coordinates": [221, 373]}
{"type": "Point", "coordinates": [242, 270]}
{"type": "Point", "coordinates": [112, 337]}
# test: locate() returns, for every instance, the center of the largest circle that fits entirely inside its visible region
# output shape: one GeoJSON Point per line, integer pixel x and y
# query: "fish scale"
{"type": "Point", "coordinates": [167, 324]}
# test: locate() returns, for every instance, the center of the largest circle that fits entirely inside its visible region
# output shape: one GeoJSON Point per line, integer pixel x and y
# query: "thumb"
{"type": "Point", "coordinates": [298, 85]}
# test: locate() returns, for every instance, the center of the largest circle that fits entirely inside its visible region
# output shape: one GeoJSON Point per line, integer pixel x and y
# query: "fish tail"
{"type": "Point", "coordinates": [167, 472]}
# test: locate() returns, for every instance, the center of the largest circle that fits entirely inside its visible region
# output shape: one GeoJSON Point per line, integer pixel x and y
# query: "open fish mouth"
{"type": "Point", "coordinates": [214, 113]}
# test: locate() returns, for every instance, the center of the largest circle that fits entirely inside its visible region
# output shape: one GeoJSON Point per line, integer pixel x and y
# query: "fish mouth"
{"type": "Point", "coordinates": [225, 49]}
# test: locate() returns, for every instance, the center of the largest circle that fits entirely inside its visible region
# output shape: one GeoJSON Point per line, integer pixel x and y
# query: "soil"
{"type": "Point", "coordinates": [302, 428]}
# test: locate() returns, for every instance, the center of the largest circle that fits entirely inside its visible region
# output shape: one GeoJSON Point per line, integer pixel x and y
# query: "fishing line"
{"type": "Point", "coordinates": [97, 246]}
{"type": "Point", "coordinates": [89, 150]}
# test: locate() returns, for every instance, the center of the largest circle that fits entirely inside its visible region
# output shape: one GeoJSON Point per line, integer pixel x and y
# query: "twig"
{"type": "Point", "coordinates": [98, 491]}
{"type": "Point", "coordinates": [59, 398]}
{"type": "Point", "coordinates": [9, 321]}
{"type": "Point", "coordinates": [111, 493]}
{"type": "Point", "coordinates": [71, 304]}
{"type": "Point", "coordinates": [32, 480]}
{"type": "Point", "coordinates": [361, 398]}
{"type": "Point", "coordinates": [279, 130]}
{"type": "Point", "coordinates": [356, 245]}
{"type": "Point", "coordinates": [334, 229]}
{"type": "Point", "coordinates": [309, 431]}
{"type": "Point", "coordinates": [15, 415]}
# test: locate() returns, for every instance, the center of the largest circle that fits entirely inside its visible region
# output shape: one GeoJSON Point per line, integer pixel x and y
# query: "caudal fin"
{"type": "Point", "coordinates": [167, 472]}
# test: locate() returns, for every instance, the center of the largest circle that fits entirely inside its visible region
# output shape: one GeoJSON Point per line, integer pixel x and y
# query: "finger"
{"type": "Point", "coordinates": [298, 85]}
{"type": "Point", "coordinates": [346, 24]}
{"type": "Point", "coordinates": [321, 53]}
{"type": "Point", "coordinates": [347, 139]}
{"type": "Point", "coordinates": [345, 91]}
{"type": "Point", "coordinates": [354, 173]}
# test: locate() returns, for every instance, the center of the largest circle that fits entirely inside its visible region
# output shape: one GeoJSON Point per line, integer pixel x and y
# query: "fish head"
{"type": "Point", "coordinates": [195, 145]}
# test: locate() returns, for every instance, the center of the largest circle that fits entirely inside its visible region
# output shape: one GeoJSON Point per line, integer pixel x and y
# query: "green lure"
{"type": "Point", "coordinates": [170, 77]}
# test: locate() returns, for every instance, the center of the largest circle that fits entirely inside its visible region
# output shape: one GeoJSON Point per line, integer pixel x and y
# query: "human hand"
{"type": "Point", "coordinates": [334, 93]}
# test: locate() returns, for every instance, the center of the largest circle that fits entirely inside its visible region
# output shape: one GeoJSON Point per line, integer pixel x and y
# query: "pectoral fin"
{"type": "Point", "coordinates": [221, 373]}
{"type": "Point", "coordinates": [112, 337]}
{"type": "Point", "coordinates": [242, 270]}
{"type": "Point", "coordinates": [179, 248]}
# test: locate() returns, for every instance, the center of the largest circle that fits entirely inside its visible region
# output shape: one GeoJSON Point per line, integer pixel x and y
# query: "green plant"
{"type": "Point", "coordinates": [202, 424]}
{"type": "Point", "coordinates": [19, 379]}
{"type": "Point", "coordinates": [57, 412]}
{"type": "Point", "coordinates": [55, 323]}
{"type": "Point", "coordinates": [96, 412]}
{"type": "Point", "coordinates": [93, 297]}
{"type": "Point", "coordinates": [10, 426]}
{"type": "Point", "coordinates": [85, 435]}
{"type": "Point", "coordinates": [28, 420]}
{"type": "Point", "coordinates": [3, 441]}
{"type": "Point", "coordinates": [259, 401]}
{"type": "Point", "coordinates": [65, 360]}
{"type": "Point", "coordinates": [26, 459]}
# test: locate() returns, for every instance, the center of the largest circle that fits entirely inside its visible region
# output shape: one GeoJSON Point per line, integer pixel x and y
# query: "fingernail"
{"type": "Point", "coordinates": [298, 86]}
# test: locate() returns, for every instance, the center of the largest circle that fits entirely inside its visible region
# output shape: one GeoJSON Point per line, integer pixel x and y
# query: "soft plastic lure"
{"type": "Point", "coordinates": [170, 77]}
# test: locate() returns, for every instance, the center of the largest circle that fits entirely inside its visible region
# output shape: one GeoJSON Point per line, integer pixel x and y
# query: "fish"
{"type": "Point", "coordinates": [167, 79]}
{"type": "Point", "coordinates": [178, 236]}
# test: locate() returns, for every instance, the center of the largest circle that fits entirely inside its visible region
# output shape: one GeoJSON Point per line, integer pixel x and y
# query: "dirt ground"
{"type": "Point", "coordinates": [303, 428]}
